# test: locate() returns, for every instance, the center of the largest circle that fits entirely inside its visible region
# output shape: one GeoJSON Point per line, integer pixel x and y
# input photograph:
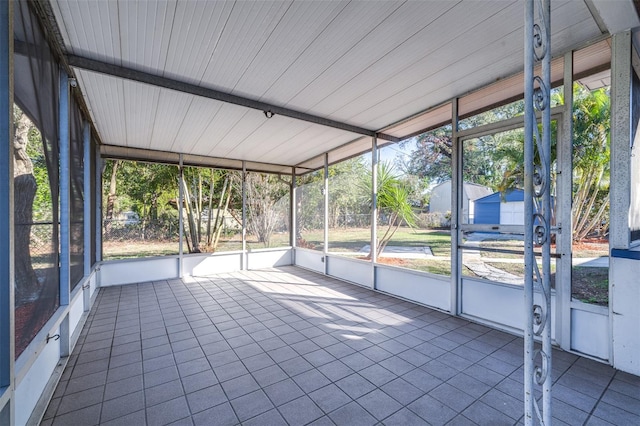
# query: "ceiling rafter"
{"type": "Point", "coordinates": [168, 83]}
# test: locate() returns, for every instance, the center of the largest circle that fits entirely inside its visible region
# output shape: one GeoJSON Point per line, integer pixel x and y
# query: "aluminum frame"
{"type": "Point", "coordinates": [7, 323]}
{"type": "Point", "coordinates": [374, 209]}
{"type": "Point", "coordinates": [64, 189]}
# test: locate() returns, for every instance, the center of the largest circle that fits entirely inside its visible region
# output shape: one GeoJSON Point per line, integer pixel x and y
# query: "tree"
{"type": "Point", "coordinates": [591, 142]}
{"type": "Point", "coordinates": [26, 282]}
{"type": "Point", "coordinates": [267, 205]}
{"type": "Point", "coordinates": [344, 206]}
{"type": "Point", "coordinates": [393, 202]}
{"type": "Point", "coordinates": [431, 158]}
{"type": "Point", "coordinates": [199, 191]}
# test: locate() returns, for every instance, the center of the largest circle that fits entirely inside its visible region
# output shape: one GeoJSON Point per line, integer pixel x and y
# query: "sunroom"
{"type": "Point", "coordinates": [233, 212]}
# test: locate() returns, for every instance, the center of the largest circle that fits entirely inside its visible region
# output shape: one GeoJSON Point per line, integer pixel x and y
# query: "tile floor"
{"type": "Point", "coordinates": [288, 346]}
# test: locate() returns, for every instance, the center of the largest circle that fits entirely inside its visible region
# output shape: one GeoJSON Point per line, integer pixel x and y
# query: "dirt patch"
{"type": "Point", "coordinates": [590, 248]}
{"type": "Point", "coordinates": [392, 261]}
{"type": "Point", "coordinates": [591, 285]}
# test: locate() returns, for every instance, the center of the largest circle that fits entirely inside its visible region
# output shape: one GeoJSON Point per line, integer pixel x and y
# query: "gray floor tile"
{"type": "Point", "coordinates": [377, 374]}
{"type": "Point", "coordinates": [137, 418]}
{"type": "Point", "coordinates": [194, 366]}
{"type": "Point", "coordinates": [85, 416]}
{"type": "Point", "coordinates": [335, 370]}
{"type": "Point", "coordinates": [230, 371]}
{"type": "Point", "coordinates": [79, 400]}
{"type": "Point", "coordinates": [199, 381]}
{"type": "Point", "coordinates": [356, 361]}
{"type": "Point", "coordinates": [330, 398]}
{"type": "Point", "coordinates": [168, 412]}
{"type": "Point", "coordinates": [402, 391]}
{"type": "Point", "coordinates": [432, 410]}
{"type": "Point", "coordinates": [123, 387]}
{"type": "Point", "coordinates": [295, 366]}
{"type": "Point", "coordinates": [121, 406]}
{"type": "Point", "coordinates": [404, 417]}
{"type": "Point", "coordinates": [300, 411]}
{"type": "Point", "coordinates": [270, 418]}
{"type": "Point", "coordinates": [483, 414]}
{"type": "Point", "coordinates": [155, 333]}
{"type": "Point", "coordinates": [251, 405]}
{"type": "Point", "coordinates": [379, 404]}
{"type": "Point", "coordinates": [164, 392]}
{"type": "Point", "coordinates": [352, 414]}
{"type": "Point", "coordinates": [240, 386]}
{"type": "Point", "coordinates": [311, 380]}
{"type": "Point", "coordinates": [206, 398]}
{"type": "Point", "coordinates": [86, 382]}
{"type": "Point", "coordinates": [163, 375]}
{"type": "Point", "coordinates": [469, 385]}
{"type": "Point", "coordinates": [422, 380]}
{"type": "Point", "coordinates": [355, 385]}
{"type": "Point", "coordinates": [504, 403]}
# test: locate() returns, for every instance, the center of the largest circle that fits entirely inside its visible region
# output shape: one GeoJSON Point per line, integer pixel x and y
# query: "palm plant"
{"type": "Point", "coordinates": [393, 203]}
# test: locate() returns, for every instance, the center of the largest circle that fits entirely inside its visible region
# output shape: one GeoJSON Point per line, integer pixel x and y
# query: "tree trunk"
{"type": "Point", "coordinates": [111, 198]}
{"type": "Point", "coordinates": [27, 286]}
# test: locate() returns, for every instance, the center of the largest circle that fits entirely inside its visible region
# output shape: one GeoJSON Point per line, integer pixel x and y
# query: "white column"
{"type": "Point", "coordinates": [374, 209]}
{"type": "Point", "coordinates": [457, 190]}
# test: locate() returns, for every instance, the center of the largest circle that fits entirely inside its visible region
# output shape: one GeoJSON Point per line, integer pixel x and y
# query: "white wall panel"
{"type": "Point", "coordinates": [138, 270]}
{"type": "Point", "coordinates": [269, 258]}
{"type": "Point", "coordinates": [310, 259]}
{"type": "Point", "coordinates": [625, 321]}
{"type": "Point", "coordinates": [76, 310]}
{"type": "Point", "coordinates": [29, 389]}
{"type": "Point", "coordinates": [355, 271]}
{"type": "Point", "coordinates": [590, 333]}
{"type": "Point", "coordinates": [500, 304]}
{"type": "Point", "coordinates": [208, 264]}
{"type": "Point", "coordinates": [430, 290]}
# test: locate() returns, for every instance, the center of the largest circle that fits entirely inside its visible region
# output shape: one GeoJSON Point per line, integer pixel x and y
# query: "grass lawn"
{"type": "Point", "coordinates": [353, 239]}
{"type": "Point", "coordinates": [588, 284]}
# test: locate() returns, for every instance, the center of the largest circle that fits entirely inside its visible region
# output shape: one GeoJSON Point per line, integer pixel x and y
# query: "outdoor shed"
{"type": "Point", "coordinates": [499, 208]}
{"type": "Point", "coordinates": [440, 201]}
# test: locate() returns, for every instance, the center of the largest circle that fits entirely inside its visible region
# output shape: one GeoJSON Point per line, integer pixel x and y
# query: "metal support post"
{"type": "Point", "coordinates": [457, 189]}
{"type": "Point", "coordinates": [293, 219]}
{"type": "Point", "coordinates": [97, 205]}
{"type": "Point", "coordinates": [86, 145]}
{"type": "Point", "coordinates": [537, 204]}
{"type": "Point", "coordinates": [374, 209]}
{"type": "Point", "coordinates": [65, 184]}
{"type": "Point", "coordinates": [86, 170]}
{"type": "Point", "coordinates": [621, 81]}
{"type": "Point", "coordinates": [180, 216]}
{"type": "Point", "coordinates": [325, 192]}
{"type": "Point", "coordinates": [244, 216]}
{"type": "Point", "coordinates": [65, 214]}
{"type": "Point", "coordinates": [7, 329]}
{"type": "Point", "coordinates": [563, 210]}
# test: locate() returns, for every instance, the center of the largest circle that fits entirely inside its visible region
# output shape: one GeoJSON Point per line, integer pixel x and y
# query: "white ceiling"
{"type": "Point", "coordinates": [365, 63]}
